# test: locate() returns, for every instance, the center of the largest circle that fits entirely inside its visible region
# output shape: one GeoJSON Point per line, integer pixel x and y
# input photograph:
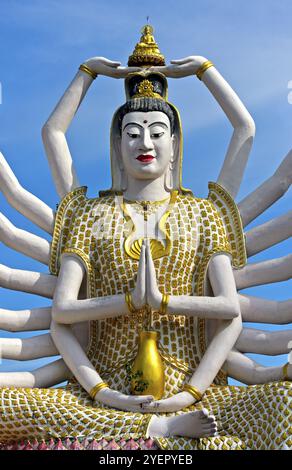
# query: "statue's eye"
{"type": "Point", "coordinates": [132, 135]}
{"type": "Point", "coordinates": [156, 135]}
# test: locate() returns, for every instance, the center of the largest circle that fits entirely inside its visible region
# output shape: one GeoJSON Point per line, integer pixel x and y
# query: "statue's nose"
{"type": "Point", "coordinates": [146, 142]}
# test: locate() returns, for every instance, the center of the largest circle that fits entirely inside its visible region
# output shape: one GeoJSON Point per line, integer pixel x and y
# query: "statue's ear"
{"type": "Point", "coordinates": [175, 144]}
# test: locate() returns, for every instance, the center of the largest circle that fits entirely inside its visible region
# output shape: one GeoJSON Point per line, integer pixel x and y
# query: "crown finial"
{"type": "Point", "coordinates": [146, 52]}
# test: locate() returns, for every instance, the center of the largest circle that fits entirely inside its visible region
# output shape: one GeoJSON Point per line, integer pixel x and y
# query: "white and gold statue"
{"type": "Point", "coordinates": [146, 313]}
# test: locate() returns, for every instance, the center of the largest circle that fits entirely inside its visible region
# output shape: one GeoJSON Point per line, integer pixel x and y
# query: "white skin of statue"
{"type": "Point", "coordinates": [146, 182]}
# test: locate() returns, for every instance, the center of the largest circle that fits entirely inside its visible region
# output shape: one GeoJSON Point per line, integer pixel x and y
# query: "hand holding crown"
{"type": "Point", "coordinates": [182, 67]}
{"type": "Point", "coordinates": [109, 68]}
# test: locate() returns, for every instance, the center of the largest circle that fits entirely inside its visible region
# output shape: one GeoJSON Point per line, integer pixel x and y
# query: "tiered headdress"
{"type": "Point", "coordinates": [145, 85]}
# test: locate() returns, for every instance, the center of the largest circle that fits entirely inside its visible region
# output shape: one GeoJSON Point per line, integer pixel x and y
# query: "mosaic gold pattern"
{"type": "Point", "coordinates": [95, 230]}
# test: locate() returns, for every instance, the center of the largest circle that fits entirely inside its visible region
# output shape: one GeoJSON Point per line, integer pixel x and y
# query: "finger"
{"type": "Point", "coordinates": [144, 399]}
{"type": "Point", "coordinates": [204, 413]}
{"type": "Point", "coordinates": [185, 60]}
{"type": "Point", "coordinates": [141, 266]}
{"type": "Point", "coordinates": [161, 69]}
{"type": "Point", "coordinates": [130, 69]}
{"type": "Point", "coordinates": [111, 63]}
{"type": "Point", "coordinates": [153, 404]}
{"type": "Point", "coordinates": [210, 419]}
{"type": "Point", "coordinates": [149, 254]}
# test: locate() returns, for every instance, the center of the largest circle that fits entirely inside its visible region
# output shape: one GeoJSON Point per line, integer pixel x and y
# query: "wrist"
{"type": "Point", "coordinates": [94, 391]}
{"type": "Point", "coordinates": [193, 391]}
{"type": "Point", "coordinates": [88, 70]}
{"type": "Point", "coordinates": [164, 301]}
{"type": "Point", "coordinates": [206, 64]}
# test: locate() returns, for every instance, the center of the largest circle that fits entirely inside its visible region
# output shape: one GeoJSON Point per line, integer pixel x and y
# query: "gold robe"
{"type": "Point", "coordinates": [101, 233]}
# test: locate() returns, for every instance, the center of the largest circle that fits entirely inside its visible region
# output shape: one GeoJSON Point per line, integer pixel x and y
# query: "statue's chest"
{"type": "Point", "coordinates": [115, 249]}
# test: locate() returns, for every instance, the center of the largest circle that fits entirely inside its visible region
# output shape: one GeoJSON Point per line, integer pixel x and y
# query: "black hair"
{"type": "Point", "coordinates": [145, 105]}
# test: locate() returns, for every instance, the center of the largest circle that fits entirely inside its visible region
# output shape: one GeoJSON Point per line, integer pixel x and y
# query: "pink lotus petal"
{"type": "Point", "coordinates": [103, 442]}
{"type": "Point", "coordinates": [94, 445]}
{"type": "Point", "coordinates": [122, 443]}
{"type": "Point", "coordinates": [43, 446]}
{"type": "Point", "coordinates": [28, 446]}
{"type": "Point", "coordinates": [76, 445]}
{"type": "Point", "coordinates": [112, 445]}
{"type": "Point", "coordinates": [59, 446]}
{"type": "Point", "coordinates": [51, 444]}
{"type": "Point", "coordinates": [21, 445]}
{"type": "Point", "coordinates": [85, 443]}
{"type": "Point", "coordinates": [131, 445]}
{"type": "Point", "coordinates": [67, 443]}
{"type": "Point", "coordinates": [150, 444]}
{"type": "Point", "coordinates": [35, 444]}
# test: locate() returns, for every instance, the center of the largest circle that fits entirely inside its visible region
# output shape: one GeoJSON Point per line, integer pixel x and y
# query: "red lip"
{"type": "Point", "coordinates": [145, 158]}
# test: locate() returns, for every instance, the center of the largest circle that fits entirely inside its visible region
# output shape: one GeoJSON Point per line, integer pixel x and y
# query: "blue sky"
{"type": "Point", "coordinates": [42, 44]}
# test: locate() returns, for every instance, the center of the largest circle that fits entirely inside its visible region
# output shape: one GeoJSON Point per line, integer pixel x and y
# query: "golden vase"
{"type": "Point", "coordinates": [147, 373]}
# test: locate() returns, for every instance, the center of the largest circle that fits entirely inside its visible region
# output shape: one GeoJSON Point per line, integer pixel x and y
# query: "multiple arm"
{"type": "Point", "coordinates": [244, 127]}
{"type": "Point", "coordinates": [227, 331]}
{"type": "Point", "coordinates": [224, 305]}
{"type": "Point", "coordinates": [53, 134]}
{"type": "Point", "coordinates": [54, 130]}
{"type": "Point", "coordinates": [70, 279]}
{"type": "Point", "coordinates": [241, 142]}
{"type": "Point", "coordinates": [71, 275]}
{"type": "Point", "coordinates": [68, 312]}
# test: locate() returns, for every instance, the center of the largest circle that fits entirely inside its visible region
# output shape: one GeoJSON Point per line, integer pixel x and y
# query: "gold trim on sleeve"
{"type": "Point", "coordinates": [59, 219]}
{"type": "Point", "coordinates": [231, 218]}
{"type": "Point", "coordinates": [91, 286]}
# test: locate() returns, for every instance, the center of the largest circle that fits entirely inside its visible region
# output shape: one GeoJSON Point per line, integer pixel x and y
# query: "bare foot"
{"type": "Point", "coordinates": [194, 424]}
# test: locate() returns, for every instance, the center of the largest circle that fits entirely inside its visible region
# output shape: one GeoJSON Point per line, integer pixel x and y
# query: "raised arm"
{"type": "Point", "coordinates": [240, 145]}
{"type": "Point", "coordinates": [54, 130]}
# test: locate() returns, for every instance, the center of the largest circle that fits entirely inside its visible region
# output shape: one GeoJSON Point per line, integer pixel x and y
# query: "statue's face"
{"type": "Point", "coordinates": [146, 144]}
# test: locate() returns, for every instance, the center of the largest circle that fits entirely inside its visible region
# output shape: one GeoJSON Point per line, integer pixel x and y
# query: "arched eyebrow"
{"type": "Point", "coordinates": [160, 123]}
{"type": "Point", "coordinates": [132, 124]}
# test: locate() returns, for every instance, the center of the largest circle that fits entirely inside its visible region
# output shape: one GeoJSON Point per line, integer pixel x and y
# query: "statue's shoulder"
{"type": "Point", "coordinates": [220, 220]}
{"type": "Point", "coordinates": [228, 212]}
{"type": "Point", "coordinates": [74, 218]}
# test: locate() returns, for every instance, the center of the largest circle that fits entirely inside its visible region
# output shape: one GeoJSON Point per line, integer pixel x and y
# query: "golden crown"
{"type": "Point", "coordinates": [146, 52]}
{"type": "Point", "coordinates": [146, 89]}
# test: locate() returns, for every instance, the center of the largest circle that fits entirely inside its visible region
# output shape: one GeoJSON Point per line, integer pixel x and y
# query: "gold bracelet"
{"type": "Point", "coordinates": [129, 302]}
{"type": "Point", "coordinates": [87, 70]}
{"type": "Point", "coordinates": [205, 66]}
{"type": "Point", "coordinates": [285, 372]}
{"type": "Point", "coordinates": [164, 303]}
{"type": "Point", "coordinates": [94, 391]}
{"type": "Point", "coordinates": [193, 391]}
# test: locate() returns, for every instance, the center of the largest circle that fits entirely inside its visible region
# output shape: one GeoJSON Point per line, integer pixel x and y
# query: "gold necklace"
{"type": "Point", "coordinates": [146, 208]}
{"type": "Point", "coordinates": [133, 246]}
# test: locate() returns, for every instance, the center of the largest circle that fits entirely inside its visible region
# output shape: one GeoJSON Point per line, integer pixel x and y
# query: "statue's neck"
{"type": "Point", "coordinates": [149, 190]}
